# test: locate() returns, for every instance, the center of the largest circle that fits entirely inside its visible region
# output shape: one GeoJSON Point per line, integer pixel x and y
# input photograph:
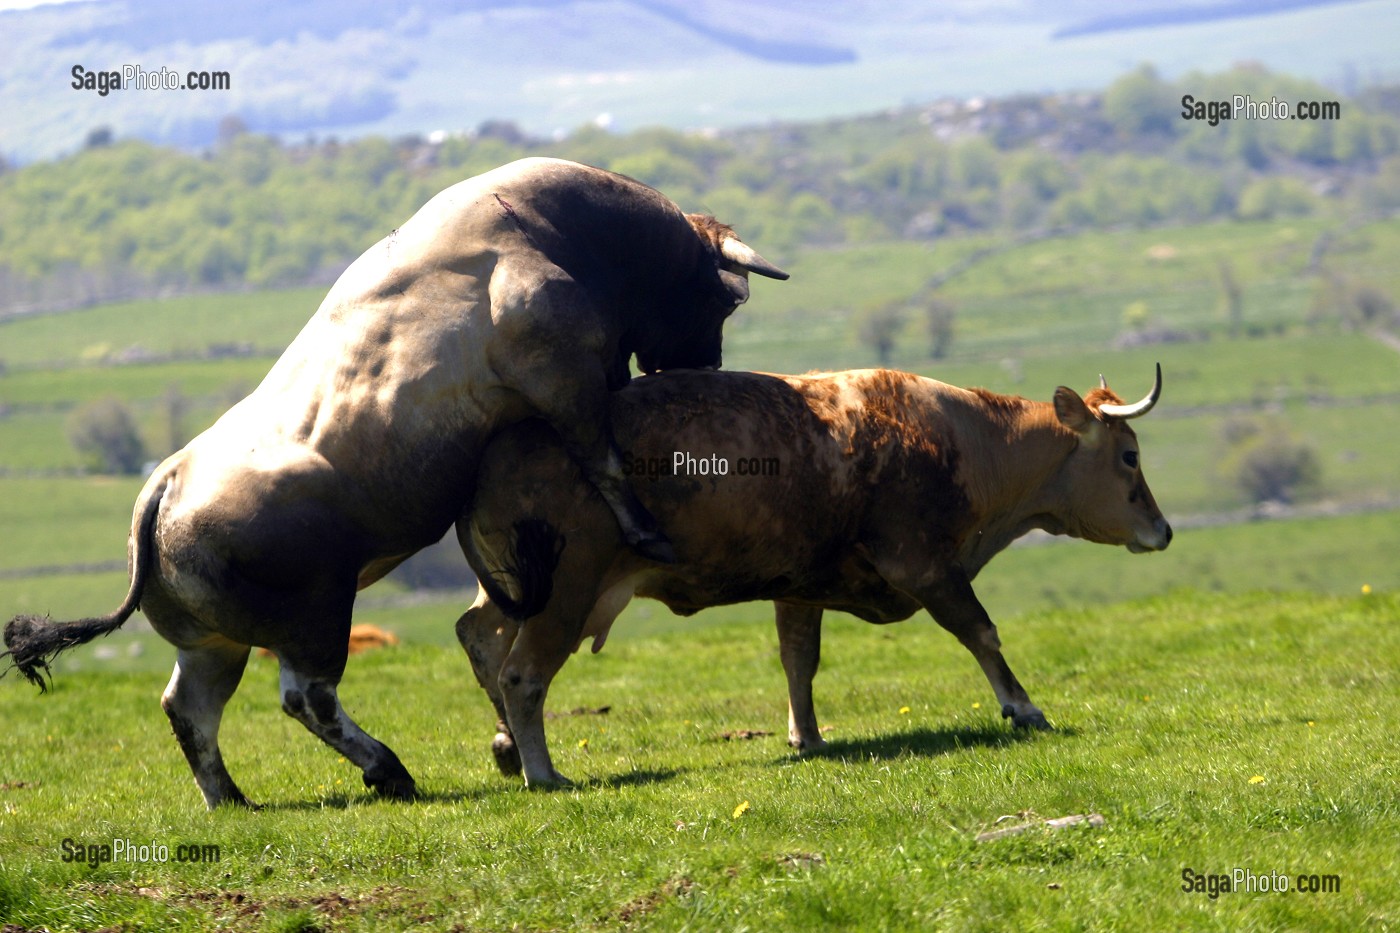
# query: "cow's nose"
{"type": "Point", "coordinates": [1165, 530]}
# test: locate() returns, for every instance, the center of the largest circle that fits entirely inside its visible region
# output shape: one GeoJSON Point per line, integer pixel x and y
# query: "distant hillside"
{"type": "Point", "coordinates": [357, 67]}
{"type": "Point", "coordinates": [125, 218]}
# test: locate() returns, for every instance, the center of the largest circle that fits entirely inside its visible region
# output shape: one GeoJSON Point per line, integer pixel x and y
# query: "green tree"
{"type": "Point", "coordinates": [1141, 103]}
{"type": "Point", "coordinates": [878, 326]}
{"type": "Point", "coordinates": [105, 434]}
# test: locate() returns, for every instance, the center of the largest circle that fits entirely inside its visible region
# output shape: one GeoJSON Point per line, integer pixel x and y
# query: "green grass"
{"type": "Point", "coordinates": [1166, 710]}
{"type": "Point", "coordinates": [187, 324]}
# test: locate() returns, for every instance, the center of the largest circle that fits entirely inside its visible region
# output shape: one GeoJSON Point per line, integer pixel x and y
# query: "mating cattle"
{"type": "Point", "coordinates": [522, 292]}
{"type": "Point", "coordinates": [871, 492]}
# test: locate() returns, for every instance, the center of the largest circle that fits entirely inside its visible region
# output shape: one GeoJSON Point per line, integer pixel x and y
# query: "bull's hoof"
{"type": "Point", "coordinates": [506, 754]}
{"type": "Point", "coordinates": [1032, 720]}
{"type": "Point", "coordinates": [393, 788]}
{"type": "Point", "coordinates": [806, 745]}
{"type": "Point", "coordinates": [655, 546]}
{"type": "Point", "coordinates": [234, 802]}
{"type": "Point", "coordinates": [552, 780]}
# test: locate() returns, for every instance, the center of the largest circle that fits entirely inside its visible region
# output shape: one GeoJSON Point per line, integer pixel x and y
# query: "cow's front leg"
{"type": "Point", "coordinates": [800, 646]}
{"type": "Point", "coordinates": [954, 605]}
{"type": "Point", "coordinates": [487, 634]}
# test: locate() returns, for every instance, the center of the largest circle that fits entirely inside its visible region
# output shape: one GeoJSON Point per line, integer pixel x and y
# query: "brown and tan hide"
{"type": "Point", "coordinates": [872, 492]}
{"type": "Point", "coordinates": [522, 292]}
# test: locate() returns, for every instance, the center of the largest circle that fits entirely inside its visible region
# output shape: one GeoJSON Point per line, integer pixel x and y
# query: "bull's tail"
{"type": "Point", "coordinates": [527, 567]}
{"type": "Point", "coordinates": [34, 641]}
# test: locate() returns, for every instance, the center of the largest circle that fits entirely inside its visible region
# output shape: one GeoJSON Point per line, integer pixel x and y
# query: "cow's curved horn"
{"type": "Point", "coordinates": [1138, 409]}
{"type": "Point", "coordinates": [743, 255]}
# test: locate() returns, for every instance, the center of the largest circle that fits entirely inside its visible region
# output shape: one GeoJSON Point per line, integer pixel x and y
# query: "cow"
{"type": "Point", "coordinates": [519, 293]}
{"type": "Point", "coordinates": [871, 492]}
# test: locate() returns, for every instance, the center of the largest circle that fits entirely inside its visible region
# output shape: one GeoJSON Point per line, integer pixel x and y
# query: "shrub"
{"type": "Point", "coordinates": [104, 432]}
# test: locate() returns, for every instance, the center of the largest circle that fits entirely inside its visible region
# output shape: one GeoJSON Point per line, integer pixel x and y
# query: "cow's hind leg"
{"type": "Point", "coordinates": [311, 700]}
{"type": "Point", "coordinates": [487, 635]}
{"type": "Point", "coordinates": [800, 645]}
{"type": "Point", "coordinates": [204, 679]}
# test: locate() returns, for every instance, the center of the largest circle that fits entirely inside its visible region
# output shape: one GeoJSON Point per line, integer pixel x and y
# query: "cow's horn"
{"type": "Point", "coordinates": [1138, 409]}
{"type": "Point", "coordinates": [743, 255]}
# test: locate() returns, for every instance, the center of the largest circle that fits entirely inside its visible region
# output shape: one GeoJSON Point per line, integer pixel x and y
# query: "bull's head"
{"type": "Point", "coordinates": [696, 340]}
{"type": "Point", "coordinates": [1107, 497]}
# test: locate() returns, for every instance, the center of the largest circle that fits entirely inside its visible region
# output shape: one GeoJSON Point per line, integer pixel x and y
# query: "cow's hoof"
{"type": "Point", "coordinates": [393, 788]}
{"type": "Point", "coordinates": [506, 754]}
{"type": "Point", "coordinates": [806, 745]}
{"type": "Point", "coordinates": [655, 546]}
{"type": "Point", "coordinates": [1032, 720]}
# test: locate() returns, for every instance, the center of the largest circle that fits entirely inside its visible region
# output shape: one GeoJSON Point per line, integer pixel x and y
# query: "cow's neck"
{"type": "Point", "coordinates": [1008, 469]}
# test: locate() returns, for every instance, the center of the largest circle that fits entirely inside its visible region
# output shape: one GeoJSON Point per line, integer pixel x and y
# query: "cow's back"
{"type": "Point", "coordinates": [767, 500]}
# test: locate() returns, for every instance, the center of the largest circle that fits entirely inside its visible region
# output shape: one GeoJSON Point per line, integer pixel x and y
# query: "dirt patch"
{"type": "Point", "coordinates": [801, 860]}
{"type": "Point", "coordinates": [236, 909]}
{"type": "Point", "coordinates": [744, 735]}
{"type": "Point", "coordinates": [644, 904]}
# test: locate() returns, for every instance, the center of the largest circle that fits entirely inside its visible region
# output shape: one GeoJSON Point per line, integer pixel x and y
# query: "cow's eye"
{"type": "Point", "coordinates": [1130, 457]}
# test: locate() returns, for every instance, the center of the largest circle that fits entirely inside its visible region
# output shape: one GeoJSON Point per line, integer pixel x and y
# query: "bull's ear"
{"type": "Point", "coordinates": [1075, 415]}
{"type": "Point", "coordinates": [738, 285]}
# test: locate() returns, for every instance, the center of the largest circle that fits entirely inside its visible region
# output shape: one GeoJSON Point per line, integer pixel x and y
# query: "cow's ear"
{"type": "Point", "coordinates": [1075, 415]}
{"type": "Point", "coordinates": [737, 285]}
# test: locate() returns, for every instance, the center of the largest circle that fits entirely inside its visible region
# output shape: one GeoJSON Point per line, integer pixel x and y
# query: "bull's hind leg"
{"type": "Point", "coordinates": [487, 635]}
{"type": "Point", "coordinates": [311, 700]}
{"type": "Point", "coordinates": [800, 645]}
{"type": "Point", "coordinates": [204, 679]}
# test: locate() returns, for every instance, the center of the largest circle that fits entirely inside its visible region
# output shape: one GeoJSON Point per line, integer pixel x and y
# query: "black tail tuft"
{"type": "Point", "coordinates": [535, 549]}
{"type": "Point", "coordinates": [34, 641]}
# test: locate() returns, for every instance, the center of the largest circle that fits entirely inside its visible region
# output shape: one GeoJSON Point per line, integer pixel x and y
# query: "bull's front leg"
{"type": "Point", "coordinates": [566, 381]}
{"type": "Point", "coordinates": [954, 605]}
{"type": "Point", "coordinates": [800, 646]}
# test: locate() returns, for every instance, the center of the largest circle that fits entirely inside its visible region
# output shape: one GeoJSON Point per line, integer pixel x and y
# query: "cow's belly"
{"type": "Point", "coordinates": [848, 585]}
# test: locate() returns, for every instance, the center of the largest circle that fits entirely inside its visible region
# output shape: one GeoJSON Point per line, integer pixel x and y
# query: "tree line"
{"type": "Point", "coordinates": [123, 218]}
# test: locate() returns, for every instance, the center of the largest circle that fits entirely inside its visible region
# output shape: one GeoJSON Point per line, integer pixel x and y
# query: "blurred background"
{"type": "Point", "coordinates": [1005, 194]}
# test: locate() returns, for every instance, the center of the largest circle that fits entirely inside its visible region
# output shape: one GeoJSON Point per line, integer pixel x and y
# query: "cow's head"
{"type": "Point", "coordinates": [694, 339]}
{"type": "Point", "coordinates": [1106, 498]}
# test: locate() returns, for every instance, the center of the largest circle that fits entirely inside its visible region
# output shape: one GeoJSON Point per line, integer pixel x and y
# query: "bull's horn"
{"type": "Point", "coordinates": [1138, 409]}
{"type": "Point", "coordinates": [1103, 383]}
{"type": "Point", "coordinates": [743, 255]}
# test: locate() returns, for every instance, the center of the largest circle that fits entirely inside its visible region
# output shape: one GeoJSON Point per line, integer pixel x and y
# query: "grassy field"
{"type": "Point", "coordinates": [1210, 733]}
{"type": "Point", "coordinates": [1246, 651]}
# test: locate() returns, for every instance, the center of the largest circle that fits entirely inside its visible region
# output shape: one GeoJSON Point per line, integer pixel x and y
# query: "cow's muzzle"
{"type": "Point", "coordinates": [1156, 540]}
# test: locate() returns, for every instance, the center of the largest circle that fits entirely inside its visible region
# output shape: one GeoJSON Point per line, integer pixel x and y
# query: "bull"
{"type": "Point", "coordinates": [871, 492]}
{"type": "Point", "coordinates": [520, 293]}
